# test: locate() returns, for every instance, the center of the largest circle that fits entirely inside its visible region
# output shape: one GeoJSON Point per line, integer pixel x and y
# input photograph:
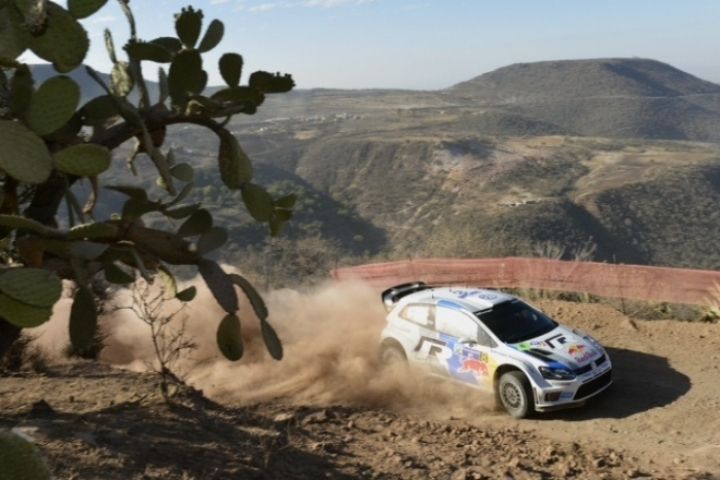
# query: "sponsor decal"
{"type": "Point", "coordinates": [476, 366]}
{"type": "Point", "coordinates": [530, 345]}
{"type": "Point", "coordinates": [462, 294]}
{"type": "Point", "coordinates": [580, 353]}
{"type": "Point", "coordinates": [428, 347]}
{"type": "Point", "coordinates": [556, 340]}
{"type": "Point", "coordinates": [576, 349]}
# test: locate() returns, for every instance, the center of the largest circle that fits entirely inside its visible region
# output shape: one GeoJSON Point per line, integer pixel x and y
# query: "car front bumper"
{"type": "Point", "coordinates": [559, 395]}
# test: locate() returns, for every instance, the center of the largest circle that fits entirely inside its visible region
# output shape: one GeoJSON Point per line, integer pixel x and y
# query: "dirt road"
{"type": "Point", "coordinates": [328, 414]}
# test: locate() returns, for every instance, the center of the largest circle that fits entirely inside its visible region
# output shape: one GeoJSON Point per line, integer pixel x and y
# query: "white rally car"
{"type": "Point", "coordinates": [493, 341]}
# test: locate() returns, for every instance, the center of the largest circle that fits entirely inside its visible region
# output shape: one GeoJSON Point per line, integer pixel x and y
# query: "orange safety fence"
{"type": "Point", "coordinates": [656, 284]}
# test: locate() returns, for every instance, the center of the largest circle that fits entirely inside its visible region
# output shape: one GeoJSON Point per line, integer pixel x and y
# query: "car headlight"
{"type": "Point", "coordinates": [556, 373]}
{"type": "Point", "coordinates": [592, 342]}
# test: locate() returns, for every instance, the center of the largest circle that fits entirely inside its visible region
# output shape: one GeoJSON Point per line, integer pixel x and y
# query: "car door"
{"type": "Point", "coordinates": [421, 317]}
{"type": "Point", "coordinates": [469, 347]}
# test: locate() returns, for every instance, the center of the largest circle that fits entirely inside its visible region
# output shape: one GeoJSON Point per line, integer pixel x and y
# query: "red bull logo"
{"type": "Point", "coordinates": [472, 365]}
{"type": "Point", "coordinates": [580, 353]}
{"type": "Point", "coordinates": [576, 349]}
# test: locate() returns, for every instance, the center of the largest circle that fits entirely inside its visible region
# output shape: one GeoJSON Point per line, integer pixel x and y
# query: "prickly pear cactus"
{"type": "Point", "coordinates": [49, 141]}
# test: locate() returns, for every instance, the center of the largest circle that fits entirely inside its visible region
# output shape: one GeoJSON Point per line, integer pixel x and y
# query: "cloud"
{"type": "Point", "coordinates": [267, 6]}
{"type": "Point", "coordinates": [334, 3]}
{"type": "Point", "coordinates": [103, 19]}
{"type": "Point", "coordinates": [264, 7]}
{"type": "Point", "coordinates": [218, 2]}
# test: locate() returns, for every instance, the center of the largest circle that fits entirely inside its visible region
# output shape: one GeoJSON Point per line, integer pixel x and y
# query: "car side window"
{"type": "Point", "coordinates": [484, 339]}
{"type": "Point", "coordinates": [455, 323]}
{"type": "Point", "coordinates": [420, 314]}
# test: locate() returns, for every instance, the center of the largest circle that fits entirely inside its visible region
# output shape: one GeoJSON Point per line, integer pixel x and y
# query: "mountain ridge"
{"type": "Point", "coordinates": [585, 78]}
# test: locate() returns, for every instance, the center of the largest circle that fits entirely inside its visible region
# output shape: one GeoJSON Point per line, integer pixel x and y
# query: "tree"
{"type": "Point", "coordinates": [48, 142]}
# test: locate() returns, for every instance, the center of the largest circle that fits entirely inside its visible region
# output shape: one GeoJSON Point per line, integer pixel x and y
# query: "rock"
{"type": "Point", "coordinates": [283, 417]}
{"type": "Point", "coordinates": [317, 417]}
{"type": "Point", "coordinates": [460, 474]}
{"type": "Point", "coordinates": [634, 473]}
{"type": "Point", "coordinates": [317, 446]}
{"type": "Point", "coordinates": [41, 407]}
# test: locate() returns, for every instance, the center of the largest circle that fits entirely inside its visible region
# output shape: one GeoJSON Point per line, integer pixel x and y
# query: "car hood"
{"type": "Point", "coordinates": [560, 345]}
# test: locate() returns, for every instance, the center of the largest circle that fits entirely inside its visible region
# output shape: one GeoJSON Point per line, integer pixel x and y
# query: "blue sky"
{"type": "Point", "coordinates": [428, 44]}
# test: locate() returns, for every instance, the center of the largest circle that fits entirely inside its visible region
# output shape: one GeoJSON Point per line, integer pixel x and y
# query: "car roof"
{"type": "Point", "coordinates": [471, 299]}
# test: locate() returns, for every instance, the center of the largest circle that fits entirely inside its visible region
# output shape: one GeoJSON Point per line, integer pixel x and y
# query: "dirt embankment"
{"type": "Point", "coordinates": [327, 411]}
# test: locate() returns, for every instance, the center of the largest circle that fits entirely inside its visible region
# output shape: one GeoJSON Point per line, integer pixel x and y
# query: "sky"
{"type": "Point", "coordinates": [429, 44]}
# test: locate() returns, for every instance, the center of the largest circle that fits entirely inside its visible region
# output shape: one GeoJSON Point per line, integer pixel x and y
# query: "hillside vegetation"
{"type": "Point", "coordinates": [619, 153]}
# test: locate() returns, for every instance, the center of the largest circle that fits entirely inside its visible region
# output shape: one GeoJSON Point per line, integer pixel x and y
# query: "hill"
{"type": "Point", "coordinates": [546, 158]}
{"type": "Point", "coordinates": [619, 98]}
{"type": "Point", "coordinates": [610, 77]}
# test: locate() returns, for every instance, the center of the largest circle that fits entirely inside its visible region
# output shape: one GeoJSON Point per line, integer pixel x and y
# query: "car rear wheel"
{"type": "Point", "coordinates": [391, 355]}
{"type": "Point", "coordinates": [515, 395]}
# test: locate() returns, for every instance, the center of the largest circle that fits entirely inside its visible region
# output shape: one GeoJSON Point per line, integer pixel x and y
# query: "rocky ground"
{"type": "Point", "coordinates": [92, 421]}
{"type": "Point", "coordinates": [101, 423]}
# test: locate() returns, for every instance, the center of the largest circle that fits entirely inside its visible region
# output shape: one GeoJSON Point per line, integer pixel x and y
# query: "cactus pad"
{"type": "Point", "coordinates": [148, 51]}
{"type": "Point", "coordinates": [13, 38]}
{"type": "Point", "coordinates": [53, 104]}
{"type": "Point", "coordinates": [83, 160]}
{"type": "Point", "coordinates": [23, 155]}
{"type": "Point", "coordinates": [187, 25]}
{"type": "Point", "coordinates": [220, 285]}
{"type": "Point", "coordinates": [185, 76]}
{"type": "Point", "coordinates": [230, 68]}
{"type": "Point", "coordinates": [19, 459]}
{"type": "Point", "coordinates": [84, 8]}
{"type": "Point", "coordinates": [21, 314]}
{"type": "Point", "coordinates": [33, 286]}
{"type": "Point", "coordinates": [83, 319]}
{"type": "Point", "coordinates": [234, 164]}
{"type": "Point", "coordinates": [122, 81]}
{"type": "Point", "coordinates": [64, 41]}
{"type": "Point", "coordinates": [258, 202]}
{"type": "Point", "coordinates": [99, 110]}
{"type": "Point", "coordinates": [91, 231]}
{"type": "Point", "coordinates": [212, 36]}
{"type": "Point", "coordinates": [229, 338]}
{"type": "Point", "coordinates": [198, 223]}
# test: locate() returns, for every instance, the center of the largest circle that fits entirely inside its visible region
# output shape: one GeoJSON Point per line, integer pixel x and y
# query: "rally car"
{"type": "Point", "coordinates": [496, 342]}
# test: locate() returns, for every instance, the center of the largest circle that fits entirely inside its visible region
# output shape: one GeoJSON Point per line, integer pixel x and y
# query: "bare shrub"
{"type": "Point", "coordinates": [164, 314]}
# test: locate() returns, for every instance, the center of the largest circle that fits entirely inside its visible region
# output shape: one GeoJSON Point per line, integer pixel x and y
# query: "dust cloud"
{"type": "Point", "coordinates": [330, 335]}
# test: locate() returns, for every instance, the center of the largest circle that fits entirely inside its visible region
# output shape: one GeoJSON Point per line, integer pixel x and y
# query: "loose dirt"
{"type": "Point", "coordinates": [328, 411]}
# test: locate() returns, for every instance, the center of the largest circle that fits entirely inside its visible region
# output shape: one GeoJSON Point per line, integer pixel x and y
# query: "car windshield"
{"type": "Point", "coordinates": [515, 321]}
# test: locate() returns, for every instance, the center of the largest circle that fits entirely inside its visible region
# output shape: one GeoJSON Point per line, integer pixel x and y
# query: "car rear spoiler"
{"type": "Point", "coordinates": [393, 295]}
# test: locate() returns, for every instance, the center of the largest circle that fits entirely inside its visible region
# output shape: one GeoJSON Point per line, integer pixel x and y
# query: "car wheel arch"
{"type": "Point", "coordinates": [390, 342]}
{"type": "Point", "coordinates": [503, 369]}
{"type": "Point", "coordinates": [499, 372]}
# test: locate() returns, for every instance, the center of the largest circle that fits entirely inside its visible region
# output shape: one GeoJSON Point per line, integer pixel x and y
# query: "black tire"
{"type": "Point", "coordinates": [515, 394]}
{"type": "Point", "coordinates": [392, 355]}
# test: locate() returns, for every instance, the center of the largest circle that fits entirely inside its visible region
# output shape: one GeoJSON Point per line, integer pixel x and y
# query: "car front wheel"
{"type": "Point", "coordinates": [515, 395]}
{"type": "Point", "coordinates": [391, 355]}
